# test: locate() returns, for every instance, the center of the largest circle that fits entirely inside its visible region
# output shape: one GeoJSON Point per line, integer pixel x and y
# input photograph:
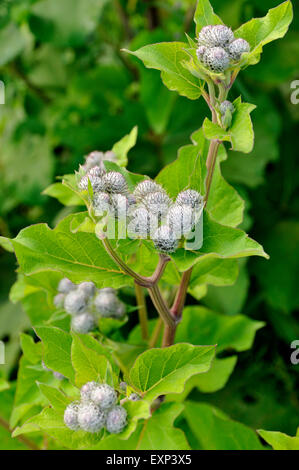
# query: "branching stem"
{"type": "Point", "coordinates": [142, 311]}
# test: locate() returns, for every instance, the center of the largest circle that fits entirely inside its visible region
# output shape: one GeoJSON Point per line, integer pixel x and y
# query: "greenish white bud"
{"type": "Point", "coordinates": [146, 187]}
{"type": "Point", "coordinates": [83, 323]}
{"type": "Point", "coordinates": [116, 420]}
{"type": "Point", "coordinates": [65, 286]}
{"type": "Point", "coordinates": [191, 198]}
{"type": "Point", "coordinates": [59, 300]}
{"type": "Point", "coordinates": [115, 182]}
{"type": "Point", "coordinates": [108, 305]}
{"type": "Point", "coordinates": [216, 59]}
{"type": "Point", "coordinates": [237, 48]}
{"type": "Point", "coordinates": [215, 36]}
{"type": "Point", "coordinates": [104, 396]}
{"type": "Point", "coordinates": [181, 219]}
{"type": "Point", "coordinates": [165, 240]}
{"type": "Point", "coordinates": [157, 203]}
{"type": "Point", "coordinates": [71, 416]}
{"type": "Point", "coordinates": [88, 288]}
{"type": "Point", "coordinates": [86, 390]}
{"type": "Point", "coordinates": [90, 417]}
{"type": "Point", "coordinates": [75, 302]}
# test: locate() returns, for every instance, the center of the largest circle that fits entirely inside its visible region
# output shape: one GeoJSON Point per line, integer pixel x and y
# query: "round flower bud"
{"type": "Point", "coordinates": [119, 205]}
{"type": "Point", "coordinates": [95, 181]}
{"type": "Point", "coordinates": [191, 198]}
{"type": "Point", "coordinates": [59, 300]}
{"type": "Point", "coordinates": [123, 386]}
{"type": "Point", "coordinates": [224, 106]}
{"type": "Point", "coordinates": [165, 240]}
{"type": "Point", "coordinates": [140, 224]}
{"type": "Point", "coordinates": [107, 290]}
{"type": "Point", "coordinates": [75, 302]}
{"type": "Point", "coordinates": [71, 416]}
{"type": "Point", "coordinates": [237, 48]}
{"type": "Point", "coordinates": [215, 36]}
{"type": "Point", "coordinates": [93, 159]}
{"type": "Point", "coordinates": [104, 396]}
{"type": "Point", "coordinates": [116, 419]}
{"type": "Point", "coordinates": [58, 375]}
{"type": "Point", "coordinates": [134, 397]}
{"type": "Point", "coordinates": [88, 288]}
{"type": "Point", "coordinates": [86, 390]}
{"type": "Point", "coordinates": [101, 203]}
{"type": "Point", "coordinates": [180, 219]}
{"type": "Point", "coordinates": [146, 187]}
{"type": "Point", "coordinates": [65, 286]}
{"type": "Point", "coordinates": [83, 323]}
{"type": "Point", "coordinates": [200, 52]}
{"type": "Point", "coordinates": [90, 417]}
{"type": "Point", "coordinates": [157, 203]}
{"type": "Point", "coordinates": [108, 305]}
{"type": "Point", "coordinates": [216, 59]}
{"type": "Point", "coordinates": [115, 182]}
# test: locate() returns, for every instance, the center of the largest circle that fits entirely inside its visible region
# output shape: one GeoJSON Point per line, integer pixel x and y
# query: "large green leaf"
{"type": "Point", "coordinates": [64, 194]}
{"type": "Point", "coordinates": [219, 241]}
{"type": "Point", "coordinates": [168, 57]}
{"type": "Point", "coordinates": [235, 332]}
{"type": "Point", "coordinates": [260, 31]}
{"type": "Point", "coordinates": [240, 133]}
{"type": "Point", "coordinates": [204, 15]}
{"type": "Point", "coordinates": [79, 256]}
{"type": "Point", "coordinates": [214, 271]}
{"type": "Point", "coordinates": [12, 42]}
{"type": "Point", "coordinates": [161, 371]}
{"type": "Point", "coordinates": [213, 430]}
{"type": "Point", "coordinates": [279, 440]}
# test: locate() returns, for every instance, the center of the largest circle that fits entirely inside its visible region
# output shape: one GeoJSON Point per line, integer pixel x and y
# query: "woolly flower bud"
{"type": "Point", "coordinates": [200, 52]}
{"type": "Point", "coordinates": [180, 219]}
{"type": "Point", "coordinates": [225, 105]}
{"type": "Point", "coordinates": [93, 159]}
{"type": "Point", "coordinates": [157, 203]}
{"type": "Point", "coordinates": [216, 59]}
{"type": "Point", "coordinates": [65, 286]}
{"type": "Point", "coordinates": [88, 288]}
{"type": "Point", "coordinates": [134, 397]}
{"type": "Point", "coordinates": [123, 386]}
{"type": "Point", "coordinates": [108, 305]}
{"type": "Point", "coordinates": [83, 323]}
{"type": "Point", "coordinates": [115, 182]}
{"type": "Point", "coordinates": [110, 156]}
{"type": "Point", "coordinates": [215, 36]}
{"type": "Point", "coordinates": [90, 417]}
{"type": "Point", "coordinates": [86, 390]}
{"type": "Point", "coordinates": [165, 240]}
{"type": "Point", "coordinates": [104, 396]}
{"type": "Point", "coordinates": [59, 300]}
{"type": "Point", "coordinates": [140, 224]}
{"type": "Point", "coordinates": [101, 203]}
{"type": "Point", "coordinates": [95, 181]}
{"type": "Point", "coordinates": [71, 416]}
{"type": "Point", "coordinates": [116, 419]}
{"type": "Point", "coordinates": [75, 302]}
{"type": "Point", "coordinates": [191, 198]}
{"type": "Point", "coordinates": [107, 290]}
{"type": "Point", "coordinates": [119, 205]}
{"type": "Point", "coordinates": [146, 187]}
{"type": "Point", "coordinates": [237, 48]}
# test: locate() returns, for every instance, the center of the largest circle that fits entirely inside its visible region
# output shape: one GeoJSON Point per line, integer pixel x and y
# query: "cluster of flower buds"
{"type": "Point", "coordinates": [218, 48]}
{"type": "Point", "coordinates": [97, 158]}
{"type": "Point", "coordinates": [97, 409]}
{"type": "Point", "coordinates": [86, 304]}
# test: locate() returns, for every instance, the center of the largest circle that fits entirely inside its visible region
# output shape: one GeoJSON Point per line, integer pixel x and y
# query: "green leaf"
{"type": "Point", "coordinates": [57, 399]}
{"type": "Point", "coordinates": [219, 241]}
{"type": "Point", "coordinates": [162, 371]}
{"type": "Point", "coordinates": [214, 271]}
{"type": "Point", "coordinates": [64, 195]}
{"type": "Point", "coordinates": [12, 42]}
{"type": "Point", "coordinates": [240, 134]}
{"type": "Point", "coordinates": [210, 382]}
{"type": "Point", "coordinates": [122, 147]}
{"type": "Point", "coordinates": [260, 31]}
{"type": "Point", "coordinates": [204, 15]}
{"type": "Point", "coordinates": [235, 332]}
{"type": "Point", "coordinates": [188, 170]}
{"type": "Point", "coordinates": [213, 430]}
{"type": "Point", "coordinates": [89, 365]}
{"type": "Point", "coordinates": [168, 57]}
{"type": "Point", "coordinates": [79, 256]}
{"type": "Point", "coordinates": [279, 440]}
{"type": "Point", "coordinates": [31, 350]}
{"type": "Point", "coordinates": [57, 350]}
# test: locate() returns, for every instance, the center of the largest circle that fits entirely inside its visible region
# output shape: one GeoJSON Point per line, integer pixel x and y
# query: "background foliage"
{"type": "Point", "coordinates": [70, 90]}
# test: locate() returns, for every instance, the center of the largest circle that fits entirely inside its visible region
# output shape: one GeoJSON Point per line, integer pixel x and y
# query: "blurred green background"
{"type": "Point", "coordinates": [69, 90]}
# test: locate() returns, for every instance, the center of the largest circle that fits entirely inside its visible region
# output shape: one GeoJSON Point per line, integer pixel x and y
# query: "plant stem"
{"type": "Point", "coordinates": [27, 442]}
{"type": "Point", "coordinates": [156, 333]}
{"type": "Point", "coordinates": [142, 312]}
{"type": "Point", "coordinates": [161, 306]}
{"type": "Point", "coordinates": [211, 160]}
{"type": "Point", "coordinates": [179, 301]}
{"type": "Point", "coordinates": [168, 336]}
